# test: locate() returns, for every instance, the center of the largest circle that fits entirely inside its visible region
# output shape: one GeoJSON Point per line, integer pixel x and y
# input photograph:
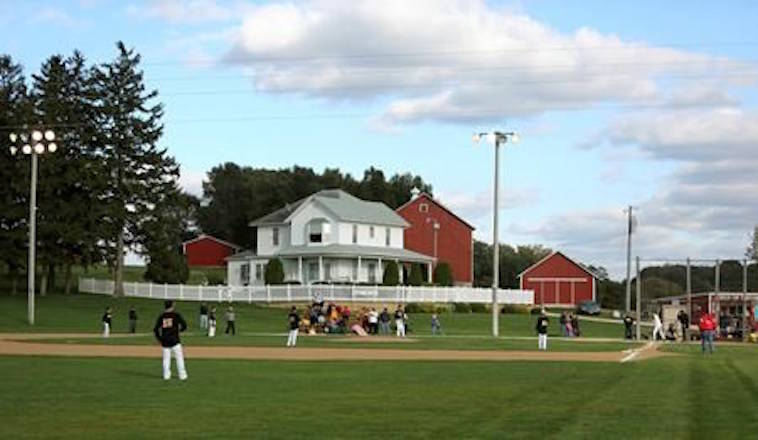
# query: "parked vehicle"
{"type": "Point", "coordinates": [588, 308]}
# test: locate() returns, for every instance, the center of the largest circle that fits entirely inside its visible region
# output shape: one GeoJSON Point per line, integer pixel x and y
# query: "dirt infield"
{"type": "Point", "coordinates": [23, 344]}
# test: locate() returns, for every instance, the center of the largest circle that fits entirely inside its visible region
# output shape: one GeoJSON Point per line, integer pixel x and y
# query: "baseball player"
{"type": "Point", "coordinates": [231, 317]}
{"type": "Point", "coordinates": [107, 320]}
{"type": "Point", "coordinates": [212, 323]}
{"type": "Point", "coordinates": [167, 328]}
{"type": "Point", "coordinates": [293, 320]}
{"type": "Point", "coordinates": [132, 320]}
{"type": "Point", "coordinates": [542, 323]}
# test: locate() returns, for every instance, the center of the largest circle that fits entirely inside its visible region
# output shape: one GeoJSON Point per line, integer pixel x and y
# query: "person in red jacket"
{"type": "Point", "coordinates": [707, 326]}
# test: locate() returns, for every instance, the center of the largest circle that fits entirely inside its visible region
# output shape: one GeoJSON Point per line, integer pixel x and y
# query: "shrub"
{"type": "Point", "coordinates": [461, 307]}
{"type": "Point", "coordinates": [478, 308]}
{"type": "Point", "coordinates": [414, 308]}
{"type": "Point", "coordinates": [516, 309]}
{"type": "Point", "coordinates": [214, 279]}
{"type": "Point", "coordinates": [167, 267]}
{"type": "Point", "coordinates": [416, 278]}
{"type": "Point", "coordinates": [443, 275]}
{"type": "Point", "coordinates": [391, 275]}
{"type": "Point", "coordinates": [274, 273]}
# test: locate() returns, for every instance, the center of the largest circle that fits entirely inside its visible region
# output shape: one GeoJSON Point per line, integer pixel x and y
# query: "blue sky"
{"type": "Point", "coordinates": [646, 103]}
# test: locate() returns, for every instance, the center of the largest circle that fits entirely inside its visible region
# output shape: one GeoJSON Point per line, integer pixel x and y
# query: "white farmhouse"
{"type": "Point", "coordinates": [328, 236]}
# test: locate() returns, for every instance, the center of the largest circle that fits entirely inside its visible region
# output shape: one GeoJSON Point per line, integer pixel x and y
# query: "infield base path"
{"type": "Point", "coordinates": [22, 344]}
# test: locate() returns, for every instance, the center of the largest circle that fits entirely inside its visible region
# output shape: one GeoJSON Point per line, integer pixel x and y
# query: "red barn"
{"type": "Point", "coordinates": [437, 231]}
{"type": "Point", "coordinates": [559, 280]}
{"type": "Point", "coordinates": [206, 250]}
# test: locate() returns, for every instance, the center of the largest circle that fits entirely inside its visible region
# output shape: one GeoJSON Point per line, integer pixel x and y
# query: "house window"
{"type": "Point", "coordinates": [312, 271]}
{"type": "Point", "coordinates": [275, 237]}
{"type": "Point", "coordinates": [318, 231]}
{"type": "Point", "coordinates": [372, 273]}
{"type": "Point", "coordinates": [245, 274]}
{"type": "Point", "coordinates": [387, 237]}
{"type": "Point", "coordinates": [355, 270]}
{"type": "Point", "coordinates": [355, 234]}
{"type": "Point", "coordinates": [371, 232]}
{"type": "Point", "coordinates": [423, 207]}
{"type": "Point", "coordinates": [327, 271]}
{"type": "Point", "coordinates": [258, 272]}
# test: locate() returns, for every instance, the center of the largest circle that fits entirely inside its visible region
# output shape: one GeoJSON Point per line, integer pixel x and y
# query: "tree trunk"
{"type": "Point", "coordinates": [67, 280]}
{"type": "Point", "coordinates": [51, 277]}
{"type": "Point", "coordinates": [118, 288]}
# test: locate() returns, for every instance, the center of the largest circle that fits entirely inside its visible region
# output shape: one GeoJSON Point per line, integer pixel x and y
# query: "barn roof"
{"type": "Point", "coordinates": [210, 237]}
{"type": "Point", "coordinates": [438, 203]}
{"type": "Point", "coordinates": [580, 265]}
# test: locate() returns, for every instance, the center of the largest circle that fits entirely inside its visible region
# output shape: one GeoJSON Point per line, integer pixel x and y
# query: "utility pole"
{"type": "Point", "coordinates": [744, 300]}
{"type": "Point", "coordinates": [689, 288]}
{"type": "Point", "coordinates": [638, 284]}
{"type": "Point", "coordinates": [629, 259]}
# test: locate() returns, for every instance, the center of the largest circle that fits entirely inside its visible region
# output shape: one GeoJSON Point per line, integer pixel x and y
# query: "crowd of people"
{"type": "Point", "coordinates": [569, 325]}
{"type": "Point", "coordinates": [331, 318]}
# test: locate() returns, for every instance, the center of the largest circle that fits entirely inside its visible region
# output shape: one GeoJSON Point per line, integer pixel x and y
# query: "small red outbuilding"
{"type": "Point", "coordinates": [205, 250]}
{"type": "Point", "coordinates": [560, 281]}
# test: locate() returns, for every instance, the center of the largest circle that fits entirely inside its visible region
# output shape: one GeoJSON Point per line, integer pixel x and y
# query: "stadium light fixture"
{"type": "Point", "coordinates": [42, 141]}
{"type": "Point", "coordinates": [496, 138]}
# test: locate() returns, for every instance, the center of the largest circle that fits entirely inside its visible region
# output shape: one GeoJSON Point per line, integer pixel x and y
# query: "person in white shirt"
{"type": "Point", "coordinates": [657, 327]}
{"type": "Point", "coordinates": [373, 321]}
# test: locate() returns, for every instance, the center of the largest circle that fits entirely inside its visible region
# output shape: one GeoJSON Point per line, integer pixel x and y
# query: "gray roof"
{"type": "Point", "coordinates": [245, 255]}
{"type": "Point", "coordinates": [353, 251]}
{"type": "Point", "coordinates": [344, 206]}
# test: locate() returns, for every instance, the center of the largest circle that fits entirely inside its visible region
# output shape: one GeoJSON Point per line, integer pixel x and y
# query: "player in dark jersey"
{"type": "Point", "coordinates": [293, 323]}
{"type": "Point", "coordinates": [107, 321]}
{"type": "Point", "coordinates": [541, 328]}
{"type": "Point", "coordinates": [167, 328]}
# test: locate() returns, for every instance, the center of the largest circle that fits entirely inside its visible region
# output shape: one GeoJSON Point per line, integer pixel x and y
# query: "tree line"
{"type": "Point", "coordinates": [108, 188]}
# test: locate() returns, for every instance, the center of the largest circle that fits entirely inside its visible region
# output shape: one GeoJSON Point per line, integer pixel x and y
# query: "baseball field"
{"type": "Point", "coordinates": [61, 380]}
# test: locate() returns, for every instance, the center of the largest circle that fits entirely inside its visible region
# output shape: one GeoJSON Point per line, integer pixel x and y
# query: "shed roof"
{"type": "Point", "coordinates": [210, 237]}
{"type": "Point", "coordinates": [554, 253]}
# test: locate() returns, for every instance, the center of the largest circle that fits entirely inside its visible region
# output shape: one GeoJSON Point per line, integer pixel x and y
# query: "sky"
{"type": "Point", "coordinates": [650, 104]}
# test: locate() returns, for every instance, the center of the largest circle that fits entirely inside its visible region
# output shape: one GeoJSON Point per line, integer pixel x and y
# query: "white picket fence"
{"type": "Point", "coordinates": [294, 293]}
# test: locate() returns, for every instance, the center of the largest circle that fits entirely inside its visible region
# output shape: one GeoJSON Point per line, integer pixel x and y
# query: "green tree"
{"type": "Point", "coordinates": [391, 276]}
{"type": "Point", "coordinates": [274, 273]}
{"type": "Point", "coordinates": [71, 181]}
{"type": "Point", "coordinates": [443, 275]}
{"type": "Point", "coordinates": [752, 249]}
{"type": "Point", "coordinates": [416, 277]}
{"type": "Point", "coordinates": [138, 171]}
{"type": "Point", "coordinates": [14, 170]}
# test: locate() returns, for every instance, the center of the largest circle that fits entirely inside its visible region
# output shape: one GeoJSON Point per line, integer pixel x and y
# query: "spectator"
{"type": "Point", "coordinates": [436, 325]}
{"type": "Point", "coordinates": [723, 325]}
{"type": "Point", "coordinates": [203, 316]}
{"type": "Point", "coordinates": [628, 322]}
{"type": "Point", "coordinates": [562, 321]}
{"type": "Point", "coordinates": [373, 321]}
{"type": "Point", "coordinates": [575, 325]}
{"type": "Point", "coordinates": [542, 323]}
{"type": "Point", "coordinates": [231, 318]}
{"type": "Point", "coordinates": [707, 326]}
{"type": "Point", "coordinates": [400, 321]}
{"type": "Point", "coordinates": [684, 319]}
{"type": "Point", "coordinates": [132, 320]}
{"type": "Point", "coordinates": [384, 322]}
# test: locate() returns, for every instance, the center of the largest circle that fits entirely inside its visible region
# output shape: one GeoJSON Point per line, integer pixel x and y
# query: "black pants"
{"type": "Point", "coordinates": [230, 328]}
{"type": "Point", "coordinates": [132, 325]}
{"type": "Point", "coordinates": [628, 332]}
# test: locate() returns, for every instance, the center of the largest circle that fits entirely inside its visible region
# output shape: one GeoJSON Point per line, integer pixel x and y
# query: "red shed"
{"type": "Point", "coordinates": [437, 231]}
{"type": "Point", "coordinates": [206, 250]}
{"type": "Point", "coordinates": [559, 280]}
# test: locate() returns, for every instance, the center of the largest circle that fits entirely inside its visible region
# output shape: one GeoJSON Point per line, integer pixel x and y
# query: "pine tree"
{"type": "Point", "coordinates": [391, 276]}
{"type": "Point", "coordinates": [161, 235]}
{"type": "Point", "coordinates": [139, 173]}
{"type": "Point", "coordinates": [416, 278]}
{"type": "Point", "coordinates": [443, 275]}
{"type": "Point", "coordinates": [752, 250]}
{"type": "Point", "coordinates": [14, 170]}
{"type": "Point", "coordinates": [274, 273]}
{"type": "Point", "coordinates": [70, 179]}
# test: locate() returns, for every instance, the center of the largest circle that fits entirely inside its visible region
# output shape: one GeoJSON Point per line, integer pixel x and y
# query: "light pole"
{"type": "Point", "coordinates": [435, 229]}
{"type": "Point", "coordinates": [497, 138]}
{"type": "Point", "coordinates": [32, 144]}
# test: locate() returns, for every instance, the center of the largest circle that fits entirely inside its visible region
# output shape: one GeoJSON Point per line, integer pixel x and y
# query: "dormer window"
{"type": "Point", "coordinates": [318, 230]}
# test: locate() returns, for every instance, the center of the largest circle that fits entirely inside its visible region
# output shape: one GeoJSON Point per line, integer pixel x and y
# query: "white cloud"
{"type": "Point", "coordinates": [58, 17]}
{"type": "Point", "coordinates": [462, 61]}
{"type": "Point", "coordinates": [191, 181]}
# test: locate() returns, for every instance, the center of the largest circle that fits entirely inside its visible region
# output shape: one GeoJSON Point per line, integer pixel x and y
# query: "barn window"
{"type": "Point", "coordinates": [423, 207]}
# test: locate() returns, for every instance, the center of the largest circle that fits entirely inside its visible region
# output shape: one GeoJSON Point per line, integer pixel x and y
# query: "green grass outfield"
{"type": "Point", "coordinates": [82, 313]}
{"type": "Point", "coordinates": [688, 396]}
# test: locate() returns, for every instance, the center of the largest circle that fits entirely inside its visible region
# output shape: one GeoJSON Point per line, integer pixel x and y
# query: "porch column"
{"type": "Point", "coordinates": [429, 272]}
{"type": "Point", "coordinates": [320, 268]}
{"type": "Point", "coordinates": [380, 269]}
{"type": "Point", "coordinates": [573, 301]}
{"type": "Point", "coordinates": [359, 269]}
{"type": "Point", "coordinates": [557, 292]}
{"type": "Point", "coordinates": [300, 270]}
{"type": "Point", "coordinates": [399, 271]}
